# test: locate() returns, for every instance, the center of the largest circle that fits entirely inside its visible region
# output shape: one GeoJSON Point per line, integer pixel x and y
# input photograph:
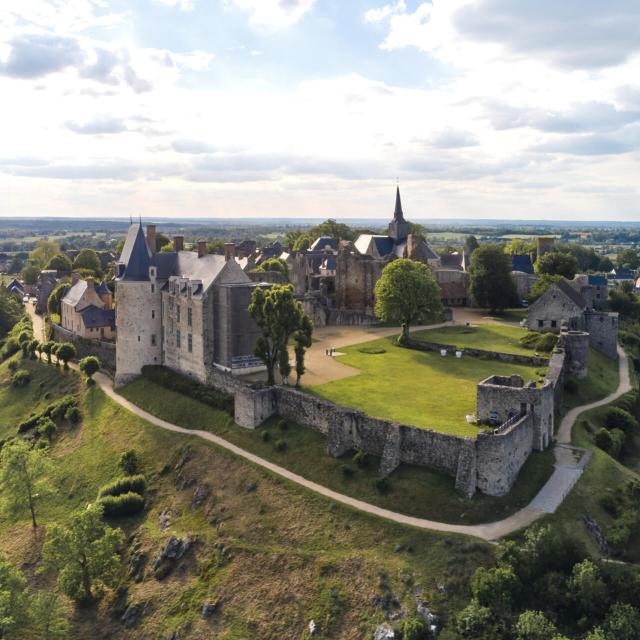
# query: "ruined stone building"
{"type": "Point", "coordinates": [182, 309]}
{"type": "Point", "coordinates": [563, 307]}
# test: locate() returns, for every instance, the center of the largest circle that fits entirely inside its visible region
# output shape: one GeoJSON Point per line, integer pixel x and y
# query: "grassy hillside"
{"type": "Point", "coordinates": [272, 556]}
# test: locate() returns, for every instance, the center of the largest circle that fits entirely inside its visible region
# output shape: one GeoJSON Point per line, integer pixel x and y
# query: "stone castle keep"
{"type": "Point", "coordinates": [181, 309]}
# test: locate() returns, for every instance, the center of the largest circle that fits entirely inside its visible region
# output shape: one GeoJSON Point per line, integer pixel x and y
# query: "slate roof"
{"type": "Point", "coordinates": [621, 274]}
{"type": "Point", "coordinates": [102, 289]}
{"type": "Point", "coordinates": [75, 293]}
{"type": "Point", "coordinates": [522, 262]}
{"type": "Point", "coordinates": [321, 242]}
{"type": "Point", "coordinates": [398, 215]}
{"type": "Point", "coordinates": [92, 317]}
{"type": "Point", "coordinates": [597, 280]}
{"type": "Point", "coordinates": [207, 268]}
{"type": "Point", "coordinates": [135, 255]}
{"type": "Point", "coordinates": [15, 285]}
{"type": "Point", "coordinates": [329, 262]}
{"type": "Point", "coordinates": [571, 293]}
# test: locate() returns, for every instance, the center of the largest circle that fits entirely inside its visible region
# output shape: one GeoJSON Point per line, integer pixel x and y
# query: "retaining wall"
{"type": "Point", "coordinates": [105, 351]}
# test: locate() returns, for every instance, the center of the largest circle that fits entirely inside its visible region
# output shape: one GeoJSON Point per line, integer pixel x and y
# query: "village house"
{"type": "Point", "coordinates": [87, 310]}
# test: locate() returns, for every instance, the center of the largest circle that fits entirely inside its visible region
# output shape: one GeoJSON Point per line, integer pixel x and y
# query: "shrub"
{"type": "Point", "coordinates": [361, 459]}
{"type": "Point", "coordinates": [546, 343]}
{"type": "Point", "coordinates": [25, 336]}
{"type": "Point", "coordinates": [129, 462]}
{"type": "Point", "coordinates": [13, 365]}
{"type": "Point", "coordinates": [72, 414]}
{"type": "Point", "coordinates": [89, 366]}
{"type": "Point", "coordinates": [280, 445]}
{"type": "Point", "coordinates": [382, 485]}
{"type": "Point", "coordinates": [176, 382]}
{"type": "Point", "coordinates": [29, 423]}
{"type": "Point", "coordinates": [620, 419]}
{"type": "Point", "coordinates": [266, 436]}
{"type": "Point", "coordinates": [415, 629]}
{"type": "Point", "coordinates": [283, 425]}
{"type": "Point", "coordinates": [617, 442]}
{"type": "Point", "coordinates": [58, 409]}
{"type": "Point", "coordinates": [603, 439]}
{"type": "Point", "coordinates": [47, 427]}
{"type": "Point", "coordinates": [347, 471]}
{"type": "Point", "coordinates": [530, 339]}
{"type": "Point", "coordinates": [21, 378]}
{"type": "Point", "coordinates": [125, 504]}
{"type": "Point", "coordinates": [135, 484]}
{"type": "Point", "coordinates": [11, 346]}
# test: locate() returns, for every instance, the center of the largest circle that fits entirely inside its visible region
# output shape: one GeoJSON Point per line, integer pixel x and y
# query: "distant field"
{"type": "Point", "coordinates": [503, 338]}
{"type": "Point", "coordinates": [414, 387]}
{"type": "Point", "coordinates": [527, 236]}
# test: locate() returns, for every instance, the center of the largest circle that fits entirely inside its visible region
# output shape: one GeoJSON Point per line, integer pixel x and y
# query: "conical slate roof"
{"type": "Point", "coordinates": [135, 255]}
{"type": "Point", "coordinates": [398, 216]}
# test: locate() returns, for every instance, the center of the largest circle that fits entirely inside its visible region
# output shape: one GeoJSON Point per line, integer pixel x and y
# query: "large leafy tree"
{"type": "Point", "coordinates": [59, 262]}
{"type": "Point", "coordinates": [556, 263]}
{"type": "Point", "coordinates": [491, 283]}
{"type": "Point", "coordinates": [23, 476]}
{"type": "Point", "coordinates": [274, 264]}
{"type": "Point", "coordinates": [55, 299]}
{"type": "Point", "coordinates": [85, 554]}
{"type": "Point", "coordinates": [278, 316]}
{"type": "Point", "coordinates": [407, 293]}
{"type": "Point", "coordinates": [48, 618]}
{"type": "Point", "coordinates": [89, 365]}
{"type": "Point", "coordinates": [534, 625]}
{"type": "Point", "coordinates": [30, 273]}
{"type": "Point", "coordinates": [87, 259]}
{"type": "Point", "coordinates": [302, 341]}
{"type": "Point", "coordinates": [14, 603]}
{"type": "Point", "coordinates": [43, 252]}
{"type": "Point", "coordinates": [628, 259]}
{"type": "Point", "coordinates": [333, 229]}
{"type": "Point", "coordinates": [541, 285]}
{"type": "Point", "coordinates": [66, 351]}
{"type": "Point", "coordinates": [9, 310]}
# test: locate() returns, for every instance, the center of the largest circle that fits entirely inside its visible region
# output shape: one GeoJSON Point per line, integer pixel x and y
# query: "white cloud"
{"type": "Point", "coordinates": [275, 13]}
{"type": "Point", "coordinates": [185, 5]}
{"type": "Point", "coordinates": [378, 15]}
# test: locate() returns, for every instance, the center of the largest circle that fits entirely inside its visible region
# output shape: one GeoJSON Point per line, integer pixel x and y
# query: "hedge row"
{"type": "Point", "coordinates": [189, 387]}
{"type": "Point", "coordinates": [126, 504]}
{"type": "Point", "coordinates": [56, 411]}
{"type": "Point", "coordinates": [135, 484]}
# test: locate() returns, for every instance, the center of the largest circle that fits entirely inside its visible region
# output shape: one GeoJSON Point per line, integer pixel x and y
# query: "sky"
{"type": "Point", "coordinates": [501, 109]}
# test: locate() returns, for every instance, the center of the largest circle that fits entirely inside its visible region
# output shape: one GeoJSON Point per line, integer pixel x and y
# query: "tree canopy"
{"type": "Point", "coordinates": [556, 263]}
{"type": "Point", "coordinates": [30, 273]}
{"type": "Point", "coordinates": [407, 293]}
{"type": "Point", "coordinates": [491, 284]}
{"type": "Point", "coordinates": [87, 259]}
{"type": "Point", "coordinates": [55, 299]}
{"type": "Point", "coordinates": [333, 229]}
{"type": "Point", "coordinates": [10, 310]}
{"type": "Point", "coordinates": [59, 262]}
{"type": "Point", "coordinates": [274, 264]}
{"type": "Point", "coordinates": [43, 252]}
{"type": "Point", "coordinates": [541, 285]}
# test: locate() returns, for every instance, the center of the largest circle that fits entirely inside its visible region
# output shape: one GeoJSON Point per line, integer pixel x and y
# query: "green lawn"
{"type": "Point", "coordinates": [503, 338]}
{"type": "Point", "coordinates": [414, 387]}
{"type": "Point", "coordinates": [416, 491]}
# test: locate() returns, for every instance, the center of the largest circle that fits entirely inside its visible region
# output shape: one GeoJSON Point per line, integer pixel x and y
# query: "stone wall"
{"type": "Point", "coordinates": [105, 351]}
{"type": "Point", "coordinates": [513, 358]}
{"type": "Point", "coordinates": [603, 332]}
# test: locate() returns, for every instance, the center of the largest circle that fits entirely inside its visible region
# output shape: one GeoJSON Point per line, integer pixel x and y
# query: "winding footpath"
{"type": "Point", "coordinates": [568, 467]}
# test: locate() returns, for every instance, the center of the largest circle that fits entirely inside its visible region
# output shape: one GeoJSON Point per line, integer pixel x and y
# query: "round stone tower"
{"type": "Point", "coordinates": [576, 346]}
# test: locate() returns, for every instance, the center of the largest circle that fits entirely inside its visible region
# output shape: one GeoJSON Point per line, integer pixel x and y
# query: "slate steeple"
{"type": "Point", "coordinates": [398, 227]}
{"type": "Point", "coordinates": [135, 255]}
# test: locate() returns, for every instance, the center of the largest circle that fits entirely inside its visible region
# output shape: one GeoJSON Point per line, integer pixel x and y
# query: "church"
{"type": "Point", "coordinates": [182, 309]}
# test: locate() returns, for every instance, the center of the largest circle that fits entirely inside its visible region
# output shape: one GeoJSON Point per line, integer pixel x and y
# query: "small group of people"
{"type": "Point", "coordinates": [331, 351]}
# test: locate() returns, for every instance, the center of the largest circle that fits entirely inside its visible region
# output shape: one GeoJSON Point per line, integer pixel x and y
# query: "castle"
{"type": "Point", "coordinates": [182, 309]}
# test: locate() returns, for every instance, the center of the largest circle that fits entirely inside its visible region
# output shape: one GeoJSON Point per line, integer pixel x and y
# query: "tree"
{"type": "Point", "coordinates": [542, 284]}
{"type": "Point", "coordinates": [66, 351]}
{"type": "Point", "coordinates": [418, 230]}
{"type": "Point", "coordinates": [30, 273]}
{"type": "Point", "coordinates": [628, 259]}
{"type": "Point", "coordinates": [302, 243]}
{"type": "Point", "coordinates": [333, 229]}
{"type": "Point", "coordinates": [55, 298]}
{"type": "Point", "coordinates": [49, 621]}
{"type": "Point", "coordinates": [43, 252]}
{"type": "Point", "coordinates": [278, 315]}
{"type": "Point", "coordinates": [274, 264]}
{"type": "Point", "coordinates": [47, 427]}
{"type": "Point", "coordinates": [495, 588]}
{"type": "Point", "coordinates": [85, 554]}
{"type": "Point", "coordinates": [87, 259]}
{"type": "Point", "coordinates": [10, 310]}
{"type": "Point", "coordinates": [471, 244]}
{"type": "Point", "coordinates": [556, 263]}
{"type": "Point", "coordinates": [47, 349]}
{"type": "Point", "coordinates": [59, 262]}
{"type": "Point", "coordinates": [13, 601]}
{"type": "Point", "coordinates": [33, 347]}
{"type": "Point", "coordinates": [89, 366]}
{"type": "Point", "coordinates": [476, 622]}
{"type": "Point", "coordinates": [407, 293]}
{"type": "Point", "coordinates": [491, 284]}
{"type": "Point", "coordinates": [533, 625]}
{"type": "Point", "coordinates": [23, 476]}
{"type": "Point", "coordinates": [302, 340]}
{"type": "Point", "coordinates": [518, 246]}
{"type": "Point", "coordinates": [162, 241]}
{"type": "Point", "coordinates": [216, 246]}
{"type": "Point", "coordinates": [622, 623]}
{"type": "Point", "coordinates": [588, 590]}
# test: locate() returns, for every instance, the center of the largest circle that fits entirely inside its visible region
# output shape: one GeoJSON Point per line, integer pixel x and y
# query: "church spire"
{"type": "Point", "coordinates": [398, 216]}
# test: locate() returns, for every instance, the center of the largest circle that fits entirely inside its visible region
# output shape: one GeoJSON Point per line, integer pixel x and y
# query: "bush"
{"type": "Point", "coordinates": [129, 462]}
{"type": "Point", "coordinates": [603, 439]}
{"type": "Point", "coordinates": [176, 382]}
{"type": "Point", "coordinates": [280, 445]}
{"type": "Point", "coordinates": [529, 340]}
{"type": "Point", "coordinates": [415, 629]}
{"type": "Point", "coordinates": [617, 442]}
{"type": "Point", "coordinates": [135, 484]}
{"type": "Point", "coordinates": [361, 459]}
{"type": "Point", "coordinates": [11, 346]}
{"type": "Point", "coordinates": [58, 409]}
{"type": "Point", "coordinates": [13, 366]}
{"type": "Point", "coordinates": [283, 425]}
{"type": "Point", "coordinates": [266, 436]}
{"type": "Point", "coordinates": [125, 504]}
{"type": "Point", "coordinates": [382, 485]}
{"type": "Point", "coordinates": [89, 366]}
{"type": "Point", "coordinates": [620, 419]}
{"type": "Point", "coordinates": [25, 337]}
{"type": "Point", "coordinates": [21, 378]}
{"type": "Point", "coordinates": [347, 471]}
{"type": "Point", "coordinates": [546, 343]}
{"type": "Point", "coordinates": [72, 414]}
{"type": "Point", "coordinates": [47, 428]}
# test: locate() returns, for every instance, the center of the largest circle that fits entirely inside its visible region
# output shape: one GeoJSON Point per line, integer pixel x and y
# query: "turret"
{"type": "Point", "coordinates": [398, 227]}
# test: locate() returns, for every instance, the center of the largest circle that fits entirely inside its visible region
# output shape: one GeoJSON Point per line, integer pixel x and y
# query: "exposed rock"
{"type": "Point", "coordinates": [137, 563]}
{"type": "Point", "coordinates": [430, 619]}
{"type": "Point", "coordinates": [384, 632]}
{"type": "Point", "coordinates": [132, 615]}
{"type": "Point", "coordinates": [209, 608]}
{"type": "Point", "coordinates": [398, 548]}
{"type": "Point", "coordinates": [164, 520]}
{"type": "Point", "coordinates": [596, 533]}
{"type": "Point", "coordinates": [312, 627]}
{"type": "Point", "coordinates": [170, 554]}
{"type": "Point", "coordinates": [200, 494]}
{"type": "Point", "coordinates": [172, 636]}
{"type": "Point", "coordinates": [183, 481]}
{"type": "Point", "coordinates": [185, 456]}
{"type": "Point", "coordinates": [251, 487]}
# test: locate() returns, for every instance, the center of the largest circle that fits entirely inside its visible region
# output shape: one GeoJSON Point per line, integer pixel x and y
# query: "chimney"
{"type": "Point", "coordinates": [229, 251]}
{"type": "Point", "coordinates": [178, 243]}
{"type": "Point", "coordinates": [202, 248]}
{"type": "Point", "coordinates": [91, 284]}
{"type": "Point", "coordinates": [151, 237]}
{"type": "Point", "coordinates": [75, 276]}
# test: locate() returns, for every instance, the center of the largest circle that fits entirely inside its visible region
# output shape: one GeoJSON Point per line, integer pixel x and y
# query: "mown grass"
{"type": "Point", "coordinates": [417, 388]}
{"type": "Point", "coordinates": [289, 548]}
{"type": "Point", "coordinates": [502, 338]}
{"type": "Point", "coordinates": [415, 490]}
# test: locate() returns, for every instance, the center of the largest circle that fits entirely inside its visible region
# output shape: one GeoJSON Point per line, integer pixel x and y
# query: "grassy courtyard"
{"type": "Point", "coordinates": [414, 387]}
{"type": "Point", "coordinates": [503, 338]}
